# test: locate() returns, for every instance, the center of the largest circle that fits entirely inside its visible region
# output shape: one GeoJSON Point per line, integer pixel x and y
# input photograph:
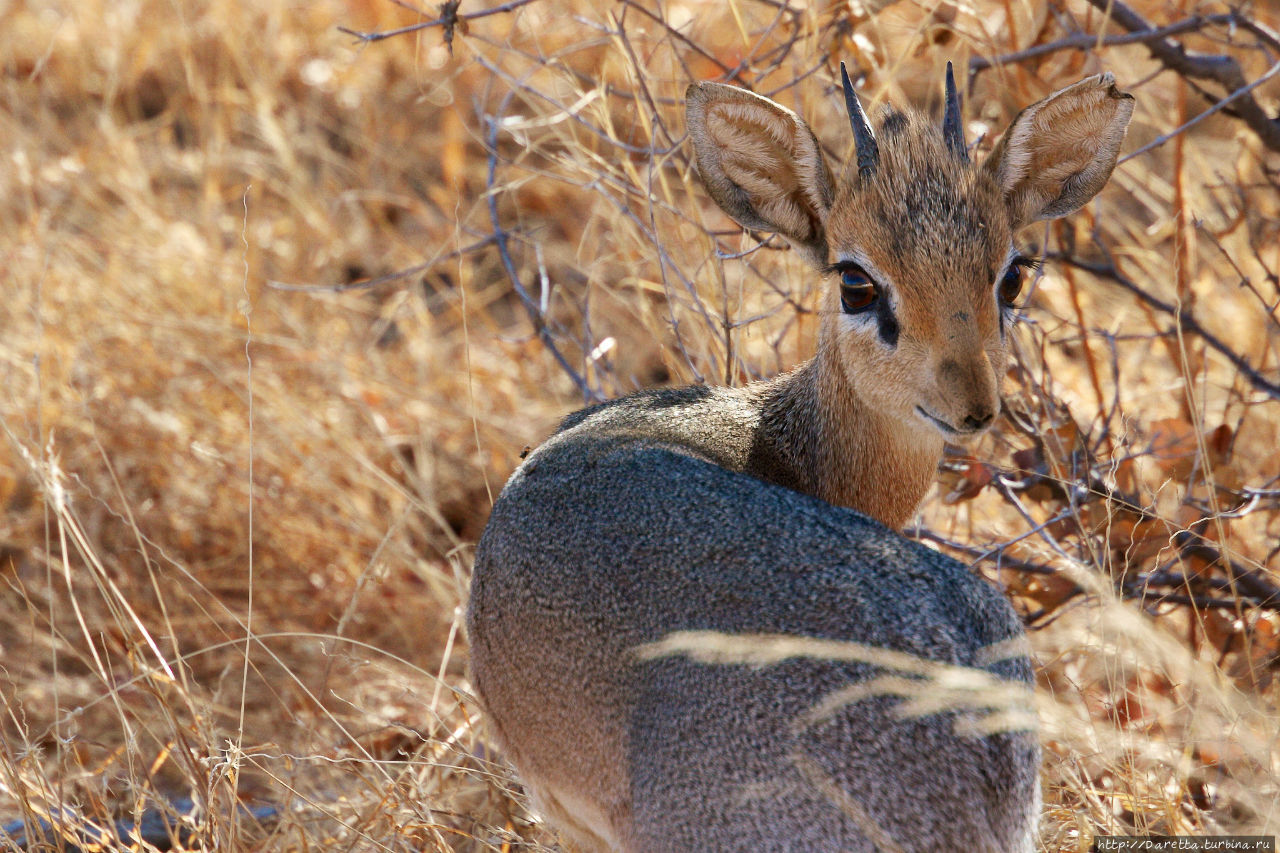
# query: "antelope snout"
{"type": "Point", "coordinates": [969, 398]}
{"type": "Point", "coordinates": [977, 421]}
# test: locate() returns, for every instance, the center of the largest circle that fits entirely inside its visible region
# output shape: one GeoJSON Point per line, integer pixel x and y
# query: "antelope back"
{"type": "Point", "coordinates": [917, 238]}
{"type": "Point", "coordinates": [678, 657]}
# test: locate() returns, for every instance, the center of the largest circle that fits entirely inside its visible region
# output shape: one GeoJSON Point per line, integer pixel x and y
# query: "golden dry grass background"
{"type": "Point", "coordinates": [209, 437]}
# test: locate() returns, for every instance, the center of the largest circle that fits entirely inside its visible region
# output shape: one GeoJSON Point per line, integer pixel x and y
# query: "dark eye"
{"type": "Point", "coordinates": [857, 291]}
{"type": "Point", "coordinates": [1011, 284]}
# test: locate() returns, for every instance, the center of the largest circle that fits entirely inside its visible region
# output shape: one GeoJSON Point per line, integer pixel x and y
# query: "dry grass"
{"type": "Point", "coordinates": [192, 456]}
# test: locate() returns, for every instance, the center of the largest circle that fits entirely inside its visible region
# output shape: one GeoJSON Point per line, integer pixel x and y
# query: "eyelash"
{"type": "Point", "coordinates": [1010, 284]}
{"type": "Point", "coordinates": [858, 290]}
{"type": "Point", "coordinates": [860, 293]}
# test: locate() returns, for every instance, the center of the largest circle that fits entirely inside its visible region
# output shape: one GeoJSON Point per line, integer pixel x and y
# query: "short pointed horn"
{"type": "Point", "coordinates": [863, 138]}
{"type": "Point", "coordinates": [952, 127]}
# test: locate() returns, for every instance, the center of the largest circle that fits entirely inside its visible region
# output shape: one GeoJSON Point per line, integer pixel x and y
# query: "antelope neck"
{"type": "Point", "coordinates": [844, 451]}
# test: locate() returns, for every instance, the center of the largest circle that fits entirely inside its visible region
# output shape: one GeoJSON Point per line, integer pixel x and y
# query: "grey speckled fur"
{"type": "Point", "coordinates": [685, 638]}
{"type": "Point", "coordinates": [609, 537]}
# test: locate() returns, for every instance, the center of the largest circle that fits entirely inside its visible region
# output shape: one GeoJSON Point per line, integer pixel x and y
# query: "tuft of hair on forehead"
{"type": "Point", "coordinates": [909, 141]}
{"type": "Point", "coordinates": [893, 122]}
{"type": "Point", "coordinates": [923, 204]}
{"type": "Point", "coordinates": [918, 173]}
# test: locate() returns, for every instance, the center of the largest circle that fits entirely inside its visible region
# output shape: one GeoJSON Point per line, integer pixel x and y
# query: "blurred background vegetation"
{"type": "Point", "coordinates": [283, 303]}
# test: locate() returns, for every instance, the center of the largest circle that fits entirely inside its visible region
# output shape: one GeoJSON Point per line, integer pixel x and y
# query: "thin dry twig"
{"type": "Point", "coordinates": [1217, 107]}
{"type": "Point", "coordinates": [449, 19]}
{"type": "Point", "coordinates": [368, 283]}
{"type": "Point", "coordinates": [500, 237]}
{"type": "Point", "coordinates": [1182, 316]}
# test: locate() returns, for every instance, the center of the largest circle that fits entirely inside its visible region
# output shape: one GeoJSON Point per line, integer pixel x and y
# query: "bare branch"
{"type": "Point", "coordinates": [1087, 41]}
{"type": "Point", "coordinates": [1220, 69]}
{"type": "Point", "coordinates": [1183, 317]}
{"type": "Point", "coordinates": [500, 237]}
{"type": "Point", "coordinates": [1246, 581]}
{"type": "Point", "coordinates": [1234, 96]}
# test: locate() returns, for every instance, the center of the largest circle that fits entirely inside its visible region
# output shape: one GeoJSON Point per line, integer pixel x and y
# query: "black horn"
{"type": "Point", "coordinates": [864, 140]}
{"type": "Point", "coordinates": [952, 127]}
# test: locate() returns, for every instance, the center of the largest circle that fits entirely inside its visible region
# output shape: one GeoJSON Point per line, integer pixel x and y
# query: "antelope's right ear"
{"type": "Point", "coordinates": [1059, 152]}
{"type": "Point", "coordinates": [762, 165]}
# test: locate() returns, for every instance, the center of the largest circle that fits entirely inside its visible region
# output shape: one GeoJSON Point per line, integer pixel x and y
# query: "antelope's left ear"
{"type": "Point", "coordinates": [1059, 152]}
{"type": "Point", "coordinates": [762, 165]}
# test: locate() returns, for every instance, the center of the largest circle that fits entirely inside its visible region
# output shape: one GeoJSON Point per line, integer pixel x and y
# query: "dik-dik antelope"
{"type": "Point", "coordinates": [692, 623]}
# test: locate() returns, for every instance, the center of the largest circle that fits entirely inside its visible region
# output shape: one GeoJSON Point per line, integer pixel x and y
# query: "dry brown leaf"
{"type": "Point", "coordinates": [1174, 445]}
{"type": "Point", "coordinates": [964, 479]}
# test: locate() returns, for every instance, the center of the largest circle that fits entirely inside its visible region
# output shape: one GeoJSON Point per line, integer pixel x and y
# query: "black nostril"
{"type": "Point", "coordinates": [976, 423]}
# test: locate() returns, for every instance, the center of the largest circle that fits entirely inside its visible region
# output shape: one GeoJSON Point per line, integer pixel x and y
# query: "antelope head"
{"type": "Point", "coordinates": [916, 237]}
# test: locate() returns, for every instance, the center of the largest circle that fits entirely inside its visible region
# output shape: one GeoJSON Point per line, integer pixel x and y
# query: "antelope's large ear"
{"type": "Point", "coordinates": [1059, 152]}
{"type": "Point", "coordinates": [762, 165]}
